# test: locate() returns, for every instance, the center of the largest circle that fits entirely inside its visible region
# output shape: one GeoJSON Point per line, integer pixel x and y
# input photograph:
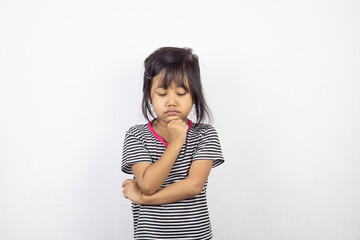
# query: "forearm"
{"type": "Point", "coordinates": [155, 174]}
{"type": "Point", "coordinates": [184, 189]}
{"type": "Point", "coordinates": [172, 193]}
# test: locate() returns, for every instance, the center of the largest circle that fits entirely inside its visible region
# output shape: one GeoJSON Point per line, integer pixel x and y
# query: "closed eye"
{"type": "Point", "coordinates": [161, 94]}
{"type": "Point", "coordinates": [181, 94]}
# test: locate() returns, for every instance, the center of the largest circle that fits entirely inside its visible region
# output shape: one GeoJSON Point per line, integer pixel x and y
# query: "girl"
{"type": "Point", "coordinates": [170, 156]}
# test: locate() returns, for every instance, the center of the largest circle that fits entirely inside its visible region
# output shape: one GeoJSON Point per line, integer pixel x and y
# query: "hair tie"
{"type": "Point", "coordinates": [147, 76]}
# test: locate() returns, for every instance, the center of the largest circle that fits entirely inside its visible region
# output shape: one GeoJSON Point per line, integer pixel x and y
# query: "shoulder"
{"type": "Point", "coordinates": [139, 131]}
{"type": "Point", "coordinates": [202, 129]}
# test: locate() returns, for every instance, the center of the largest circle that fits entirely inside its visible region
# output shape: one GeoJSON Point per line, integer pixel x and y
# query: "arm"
{"type": "Point", "coordinates": [151, 176]}
{"type": "Point", "coordinates": [189, 187]}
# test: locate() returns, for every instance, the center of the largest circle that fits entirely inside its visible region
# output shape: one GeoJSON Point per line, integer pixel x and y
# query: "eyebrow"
{"type": "Point", "coordinates": [162, 87]}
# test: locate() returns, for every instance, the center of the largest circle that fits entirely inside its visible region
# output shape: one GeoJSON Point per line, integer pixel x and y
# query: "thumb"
{"type": "Point", "coordinates": [127, 181]}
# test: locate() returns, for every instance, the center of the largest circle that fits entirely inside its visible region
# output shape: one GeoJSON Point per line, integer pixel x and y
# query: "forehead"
{"type": "Point", "coordinates": [166, 80]}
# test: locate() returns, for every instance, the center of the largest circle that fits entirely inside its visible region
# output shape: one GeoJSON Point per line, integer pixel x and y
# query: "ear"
{"type": "Point", "coordinates": [149, 98]}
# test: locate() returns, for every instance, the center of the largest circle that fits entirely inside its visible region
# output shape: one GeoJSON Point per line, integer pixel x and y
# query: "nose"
{"type": "Point", "coordinates": [171, 100]}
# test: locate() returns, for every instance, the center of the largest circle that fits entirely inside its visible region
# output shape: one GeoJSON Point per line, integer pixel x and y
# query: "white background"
{"type": "Point", "coordinates": [282, 79]}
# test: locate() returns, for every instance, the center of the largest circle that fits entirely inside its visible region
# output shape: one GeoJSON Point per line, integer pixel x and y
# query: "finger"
{"type": "Point", "coordinates": [180, 121]}
{"type": "Point", "coordinates": [177, 122]}
{"type": "Point", "coordinates": [124, 193]}
{"type": "Point", "coordinates": [124, 183]}
{"type": "Point", "coordinates": [127, 181]}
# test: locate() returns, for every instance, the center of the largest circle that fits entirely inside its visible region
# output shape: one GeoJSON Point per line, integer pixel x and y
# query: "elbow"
{"type": "Point", "coordinates": [197, 188]}
{"type": "Point", "coordinates": [148, 190]}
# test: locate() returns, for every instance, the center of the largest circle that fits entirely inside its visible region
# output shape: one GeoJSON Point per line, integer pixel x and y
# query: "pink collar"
{"type": "Point", "coordinates": [158, 136]}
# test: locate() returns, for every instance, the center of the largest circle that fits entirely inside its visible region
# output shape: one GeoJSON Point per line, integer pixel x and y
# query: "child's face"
{"type": "Point", "coordinates": [171, 103]}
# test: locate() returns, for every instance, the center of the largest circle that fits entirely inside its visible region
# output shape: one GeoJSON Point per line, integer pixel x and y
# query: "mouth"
{"type": "Point", "coordinates": [171, 112]}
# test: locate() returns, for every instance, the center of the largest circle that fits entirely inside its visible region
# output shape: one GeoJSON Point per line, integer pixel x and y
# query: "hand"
{"type": "Point", "coordinates": [177, 131]}
{"type": "Point", "coordinates": [132, 191]}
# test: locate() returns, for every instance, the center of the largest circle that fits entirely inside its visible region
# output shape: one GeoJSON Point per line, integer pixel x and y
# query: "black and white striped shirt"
{"type": "Point", "coordinates": [185, 219]}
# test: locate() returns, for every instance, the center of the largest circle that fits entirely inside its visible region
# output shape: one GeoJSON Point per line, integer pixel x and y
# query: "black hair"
{"type": "Point", "coordinates": [177, 64]}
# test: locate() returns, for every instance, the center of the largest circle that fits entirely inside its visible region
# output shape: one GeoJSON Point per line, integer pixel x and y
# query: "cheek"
{"type": "Point", "coordinates": [190, 102]}
{"type": "Point", "coordinates": [157, 102]}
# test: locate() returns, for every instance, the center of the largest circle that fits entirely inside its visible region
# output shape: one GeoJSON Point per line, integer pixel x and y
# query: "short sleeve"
{"type": "Point", "coordinates": [209, 147]}
{"type": "Point", "coordinates": [134, 151]}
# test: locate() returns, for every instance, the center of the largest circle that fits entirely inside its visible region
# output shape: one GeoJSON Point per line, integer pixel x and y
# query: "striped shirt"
{"type": "Point", "coordinates": [185, 219]}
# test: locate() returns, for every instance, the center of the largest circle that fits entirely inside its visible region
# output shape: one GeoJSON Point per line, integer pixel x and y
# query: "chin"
{"type": "Point", "coordinates": [171, 118]}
